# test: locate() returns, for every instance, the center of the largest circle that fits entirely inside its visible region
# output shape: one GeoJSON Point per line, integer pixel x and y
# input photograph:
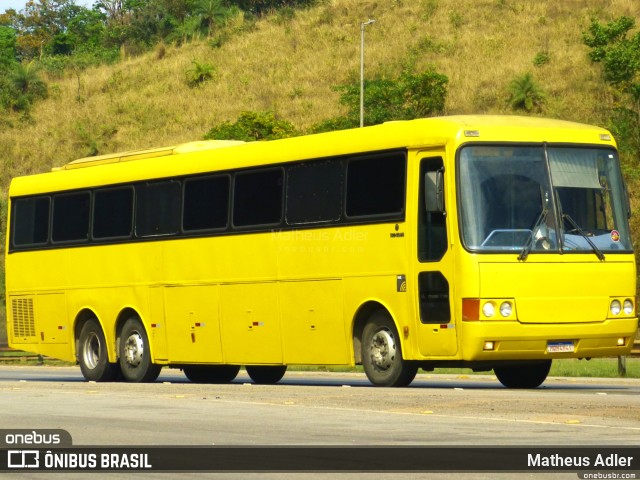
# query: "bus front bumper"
{"type": "Point", "coordinates": [484, 340]}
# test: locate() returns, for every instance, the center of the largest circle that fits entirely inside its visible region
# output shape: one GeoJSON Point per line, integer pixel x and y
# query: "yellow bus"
{"type": "Point", "coordinates": [484, 242]}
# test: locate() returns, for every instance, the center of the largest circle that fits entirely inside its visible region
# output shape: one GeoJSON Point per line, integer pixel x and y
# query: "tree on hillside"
{"type": "Point", "coordinates": [53, 27]}
{"type": "Point", "coordinates": [407, 97]}
{"type": "Point", "coordinates": [113, 10]}
{"type": "Point", "coordinates": [261, 7]}
{"type": "Point", "coordinates": [619, 53]}
{"type": "Point", "coordinates": [7, 47]}
{"type": "Point", "coordinates": [525, 94]}
{"type": "Point", "coordinates": [20, 86]}
{"type": "Point", "coordinates": [252, 126]}
{"type": "Point", "coordinates": [211, 13]}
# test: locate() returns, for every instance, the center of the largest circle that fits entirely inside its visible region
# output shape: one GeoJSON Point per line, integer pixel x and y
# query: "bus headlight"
{"type": "Point", "coordinates": [627, 307]}
{"type": "Point", "coordinates": [489, 309]}
{"type": "Point", "coordinates": [506, 309]}
{"type": "Point", "coordinates": [615, 307]}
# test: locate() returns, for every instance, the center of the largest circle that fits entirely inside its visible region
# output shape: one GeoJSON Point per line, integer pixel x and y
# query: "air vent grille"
{"type": "Point", "coordinates": [23, 319]}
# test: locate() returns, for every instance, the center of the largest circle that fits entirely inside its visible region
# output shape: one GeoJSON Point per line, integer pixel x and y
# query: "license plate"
{"type": "Point", "coordinates": [560, 347]}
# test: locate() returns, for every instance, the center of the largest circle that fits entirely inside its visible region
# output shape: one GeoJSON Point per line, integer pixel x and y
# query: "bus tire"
{"type": "Point", "coordinates": [135, 357]}
{"type": "Point", "coordinates": [529, 375]}
{"type": "Point", "coordinates": [92, 354]}
{"type": "Point", "coordinates": [382, 354]}
{"type": "Point", "coordinates": [211, 373]}
{"type": "Point", "coordinates": [266, 374]}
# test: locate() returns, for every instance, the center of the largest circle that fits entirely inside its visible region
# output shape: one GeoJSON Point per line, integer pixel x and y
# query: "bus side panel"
{"type": "Point", "coordinates": [192, 324]}
{"type": "Point", "coordinates": [313, 327]}
{"type": "Point", "coordinates": [250, 323]}
{"type": "Point", "coordinates": [38, 323]}
{"type": "Point", "coordinates": [158, 325]}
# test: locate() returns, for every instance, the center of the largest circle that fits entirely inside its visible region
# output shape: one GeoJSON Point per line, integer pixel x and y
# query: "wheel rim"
{"type": "Point", "coordinates": [91, 351]}
{"type": "Point", "coordinates": [383, 349]}
{"type": "Point", "coordinates": [134, 349]}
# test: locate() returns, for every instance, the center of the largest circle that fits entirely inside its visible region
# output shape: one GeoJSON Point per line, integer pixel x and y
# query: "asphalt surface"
{"type": "Point", "coordinates": [326, 409]}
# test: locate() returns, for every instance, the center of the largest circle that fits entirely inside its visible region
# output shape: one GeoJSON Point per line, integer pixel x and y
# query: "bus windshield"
{"type": "Point", "coordinates": [542, 199]}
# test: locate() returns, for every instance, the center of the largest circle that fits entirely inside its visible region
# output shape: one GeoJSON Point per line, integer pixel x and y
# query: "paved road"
{"type": "Point", "coordinates": [321, 409]}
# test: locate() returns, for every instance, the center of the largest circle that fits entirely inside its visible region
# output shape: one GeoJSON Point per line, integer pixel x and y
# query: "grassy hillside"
{"type": "Point", "coordinates": [290, 64]}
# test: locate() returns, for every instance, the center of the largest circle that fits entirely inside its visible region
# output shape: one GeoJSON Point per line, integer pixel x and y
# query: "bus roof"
{"type": "Point", "coordinates": [147, 153]}
{"type": "Point", "coordinates": [198, 157]}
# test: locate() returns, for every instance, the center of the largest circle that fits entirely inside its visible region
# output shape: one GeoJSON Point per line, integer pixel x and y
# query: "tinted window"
{"type": "Point", "coordinates": [432, 225]}
{"type": "Point", "coordinates": [31, 221]}
{"type": "Point", "coordinates": [113, 213]}
{"type": "Point", "coordinates": [434, 298]}
{"type": "Point", "coordinates": [375, 186]}
{"type": "Point", "coordinates": [157, 208]}
{"type": "Point", "coordinates": [257, 198]}
{"type": "Point", "coordinates": [206, 203]}
{"type": "Point", "coordinates": [71, 217]}
{"type": "Point", "coordinates": [314, 192]}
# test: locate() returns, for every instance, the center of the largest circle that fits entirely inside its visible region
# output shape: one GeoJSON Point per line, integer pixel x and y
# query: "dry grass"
{"type": "Point", "coordinates": [291, 68]}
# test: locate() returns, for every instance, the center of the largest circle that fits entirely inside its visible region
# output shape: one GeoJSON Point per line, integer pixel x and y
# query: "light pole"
{"type": "Point", "coordinates": [362, 25]}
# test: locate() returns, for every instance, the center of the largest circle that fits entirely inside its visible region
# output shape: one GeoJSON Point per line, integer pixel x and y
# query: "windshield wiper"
{"type": "Point", "coordinates": [524, 253]}
{"type": "Point", "coordinates": [596, 250]}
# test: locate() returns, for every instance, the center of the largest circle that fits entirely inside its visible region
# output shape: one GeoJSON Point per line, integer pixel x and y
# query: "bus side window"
{"type": "Point", "coordinates": [30, 221]}
{"type": "Point", "coordinates": [434, 298]}
{"type": "Point", "coordinates": [432, 229]}
{"type": "Point", "coordinates": [315, 192]}
{"type": "Point", "coordinates": [158, 208]}
{"type": "Point", "coordinates": [70, 217]}
{"type": "Point", "coordinates": [376, 185]}
{"type": "Point", "coordinates": [113, 213]}
{"type": "Point", "coordinates": [206, 203]}
{"type": "Point", "coordinates": [257, 198]}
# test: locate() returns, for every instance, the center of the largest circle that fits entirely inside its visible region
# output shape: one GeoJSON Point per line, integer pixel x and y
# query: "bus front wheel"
{"type": "Point", "coordinates": [528, 375]}
{"type": "Point", "coordinates": [266, 374]}
{"type": "Point", "coordinates": [382, 355]}
{"type": "Point", "coordinates": [135, 357]}
{"type": "Point", "coordinates": [92, 354]}
{"type": "Point", "coordinates": [211, 373]}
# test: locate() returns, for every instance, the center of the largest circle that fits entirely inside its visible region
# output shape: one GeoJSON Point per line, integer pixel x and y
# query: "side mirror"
{"type": "Point", "coordinates": [434, 191]}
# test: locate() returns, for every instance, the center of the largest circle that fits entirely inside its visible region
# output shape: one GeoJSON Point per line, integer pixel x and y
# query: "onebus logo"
{"type": "Point", "coordinates": [23, 459]}
{"type": "Point", "coordinates": [32, 438]}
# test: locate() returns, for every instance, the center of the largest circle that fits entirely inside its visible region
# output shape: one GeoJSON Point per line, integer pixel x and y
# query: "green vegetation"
{"type": "Point", "coordinates": [595, 368]}
{"type": "Point", "coordinates": [541, 58]}
{"type": "Point", "coordinates": [409, 96]}
{"type": "Point", "coordinates": [200, 73]}
{"type": "Point", "coordinates": [619, 56]}
{"type": "Point", "coordinates": [252, 126]}
{"type": "Point", "coordinates": [526, 94]}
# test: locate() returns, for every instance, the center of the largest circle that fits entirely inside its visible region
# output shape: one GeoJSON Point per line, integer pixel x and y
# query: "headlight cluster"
{"type": "Point", "coordinates": [474, 309]}
{"type": "Point", "coordinates": [491, 309]}
{"type": "Point", "coordinates": [618, 307]}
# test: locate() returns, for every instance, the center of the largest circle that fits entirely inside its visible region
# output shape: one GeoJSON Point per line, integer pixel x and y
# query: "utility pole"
{"type": "Point", "coordinates": [362, 26]}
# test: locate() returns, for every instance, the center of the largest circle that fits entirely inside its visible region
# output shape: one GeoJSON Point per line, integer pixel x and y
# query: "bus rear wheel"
{"type": "Point", "coordinates": [382, 354]}
{"type": "Point", "coordinates": [526, 375]}
{"type": "Point", "coordinates": [211, 373]}
{"type": "Point", "coordinates": [266, 374]}
{"type": "Point", "coordinates": [135, 357]}
{"type": "Point", "coordinates": [92, 354]}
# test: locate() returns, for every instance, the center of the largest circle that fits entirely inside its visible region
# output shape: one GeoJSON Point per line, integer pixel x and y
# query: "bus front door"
{"type": "Point", "coordinates": [436, 324]}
